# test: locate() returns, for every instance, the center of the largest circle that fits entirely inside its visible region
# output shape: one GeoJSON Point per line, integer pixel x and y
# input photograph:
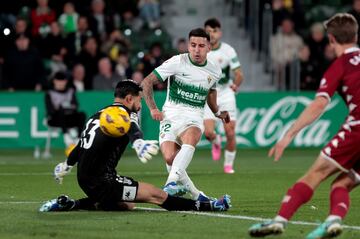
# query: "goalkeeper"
{"type": "Point", "coordinates": [97, 156]}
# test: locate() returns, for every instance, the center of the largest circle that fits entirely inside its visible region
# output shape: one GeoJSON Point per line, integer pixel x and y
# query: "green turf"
{"type": "Point", "coordinates": [256, 189]}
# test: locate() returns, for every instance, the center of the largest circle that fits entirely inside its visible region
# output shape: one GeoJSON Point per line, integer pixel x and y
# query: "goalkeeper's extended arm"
{"type": "Point", "coordinates": [65, 167]}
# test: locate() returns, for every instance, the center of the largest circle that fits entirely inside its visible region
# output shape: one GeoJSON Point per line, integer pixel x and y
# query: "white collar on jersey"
{"type": "Point", "coordinates": [351, 49]}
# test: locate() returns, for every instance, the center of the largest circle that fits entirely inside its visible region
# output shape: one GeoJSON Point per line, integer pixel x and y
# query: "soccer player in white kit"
{"type": "Point", "coordinates": [192, 84]}
{"type": "Point", "coordinates": [224, 55]}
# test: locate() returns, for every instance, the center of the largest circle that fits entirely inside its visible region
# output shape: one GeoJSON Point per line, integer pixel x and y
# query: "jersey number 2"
{"type": "Point", "coordinates": [88, 135]}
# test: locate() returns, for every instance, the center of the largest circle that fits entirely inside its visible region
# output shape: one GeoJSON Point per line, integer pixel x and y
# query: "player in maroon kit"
{"type": "Point", "coordinates": [341, 155]}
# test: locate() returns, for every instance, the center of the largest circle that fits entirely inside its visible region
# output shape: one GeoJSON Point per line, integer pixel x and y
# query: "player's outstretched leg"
{"type": "Point", "coordinates": [266, 228]}
{"type": "Point", "coordinates": [183, 204]}
{"type": "Point", "coordinates": [216, 148]}
{"type": "Point", "coordinates": [328, 229]}
{"type": "Point", "coordinates": [62, 203]}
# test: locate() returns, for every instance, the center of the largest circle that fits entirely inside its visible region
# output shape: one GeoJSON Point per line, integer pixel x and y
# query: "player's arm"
{"type": "Point", "coordinates": [148, 94]}
{"type": "Point", "coordinates": [308, 116]}
{"type": "Point", "coordinates": [145, 149]}
{"type": "Point", "coordinates": [238, 79]}
{"type": "Point", "coordinates": [212, 102]}
{"type": "Point", "coordinates": [64, 168]}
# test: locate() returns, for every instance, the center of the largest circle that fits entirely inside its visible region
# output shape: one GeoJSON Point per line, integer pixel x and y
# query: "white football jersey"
{"type": "Point", "coordinates": [228, 60]}
{"type": "Point", "coordinates": [189, 83]}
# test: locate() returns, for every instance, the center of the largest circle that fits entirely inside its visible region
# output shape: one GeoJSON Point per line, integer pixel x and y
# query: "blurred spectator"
{"type": "Point", "coordinates": [152, 60]}
{"type": "Point", "coordinates": [21, 26]}
{"type": "Point", "coordinates": [181, 46]}
{"type": "Point", "coordinates": [308, 80]}
{"type": "Point", "coordinates": [150, 12]}
{"type": "Point", "coordinates": [69, 19]}
{"type": "Point", "coordinates": [329, 57]}
{"type": "Point", "coordinates": [7, 42]}
{"type": "Point", "coordinates": [123, 67]}
{"type": "Point", "coordinates": [41, 17]}
{"type": "Point", "coordinates": [355, 11]}
{"type": "Point", "coordinates": [100, 23]}
{"type": "Point", "coordinates": [105, 79]}
{"type": "Point", "coordinates": [115, 44]}
{"type": "Point", "coordinates": [75, 40]}
{"type": "Point", "coordinates": [78, 76]}
{"type": "Point", "coordinates": [284, 48]}
{"type": "Point", "coordinates": [137, 76]}
{"type": "Point", "coordinates": [89, 57]}
{"type": "Point", "coordinates": [23, 67]}
{"type": "Point", "coordinates": [279, 14]}
{"type": "Point", "coordinates": [53, 49]}
{"type": "Point", "coordinates": [63, 109]}
{"type": "Point", "coordinates": [317, 43]}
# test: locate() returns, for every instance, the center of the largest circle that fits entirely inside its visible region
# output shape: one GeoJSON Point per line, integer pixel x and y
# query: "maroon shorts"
{"type": "Point", "coordinates": [344, 148]}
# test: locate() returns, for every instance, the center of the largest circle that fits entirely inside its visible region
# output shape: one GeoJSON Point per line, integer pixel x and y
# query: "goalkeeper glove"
{"type": "Point", "coordinates": [145, 149]}
{"type": "Point", "coordinates": [61, 170]}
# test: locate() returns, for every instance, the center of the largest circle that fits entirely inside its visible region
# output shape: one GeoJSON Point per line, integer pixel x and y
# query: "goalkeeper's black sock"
{"type": "Point", "coordinates": [84, 204]}
{"type": "Point", "coordinates": [183, 204]}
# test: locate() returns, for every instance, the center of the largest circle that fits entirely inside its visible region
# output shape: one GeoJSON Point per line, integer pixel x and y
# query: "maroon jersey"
{"type": "Point", "coordinates": [343, 76]}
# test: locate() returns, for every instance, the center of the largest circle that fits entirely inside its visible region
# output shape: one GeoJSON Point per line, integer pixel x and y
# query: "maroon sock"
{"type": "Point", "coordinates": [296, 196]}
{"type": "Point", "coordinates": [339, 202]}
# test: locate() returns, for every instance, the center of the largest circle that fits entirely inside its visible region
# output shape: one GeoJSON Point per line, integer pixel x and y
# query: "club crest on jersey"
{"type": "Point", "coordinates": [209, 79]}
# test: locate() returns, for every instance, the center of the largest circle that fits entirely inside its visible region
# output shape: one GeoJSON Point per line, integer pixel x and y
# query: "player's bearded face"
{"type": "Point", "coordinates": [198, 48]}
{"type": "Point", "coordinates": [136, 104]}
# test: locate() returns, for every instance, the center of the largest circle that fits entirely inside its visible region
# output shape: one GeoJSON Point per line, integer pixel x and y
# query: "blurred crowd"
{"type": "Point", "coordinates": [298, 34]}
{"type": "Point", "coordinates": [95, 42]}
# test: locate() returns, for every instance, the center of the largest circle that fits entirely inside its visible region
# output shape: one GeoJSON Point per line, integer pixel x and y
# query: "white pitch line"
{"type": "Point", "coordinates": [125, 173]}
{"type": "Point", "coordinates": [208, 214]}
{"type": "Point", "coordinates": [240, 217]}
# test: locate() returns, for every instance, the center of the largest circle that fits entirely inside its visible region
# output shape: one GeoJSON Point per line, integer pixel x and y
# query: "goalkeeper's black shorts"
{"type": "Point", "coordinates": [108, 193]}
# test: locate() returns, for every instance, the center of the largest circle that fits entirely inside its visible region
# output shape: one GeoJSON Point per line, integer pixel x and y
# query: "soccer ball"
{"type": "Point", "coordinates": [114, 121]}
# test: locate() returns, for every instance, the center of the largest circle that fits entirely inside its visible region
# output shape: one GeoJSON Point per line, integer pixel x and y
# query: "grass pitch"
{"type": "Point", "coordinates": [256, 188]}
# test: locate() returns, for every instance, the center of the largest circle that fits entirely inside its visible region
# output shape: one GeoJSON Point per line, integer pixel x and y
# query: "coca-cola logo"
{"type": "Point", "coordinates": [264, 126]}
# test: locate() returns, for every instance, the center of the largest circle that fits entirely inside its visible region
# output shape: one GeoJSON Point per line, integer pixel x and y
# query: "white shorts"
{"type": "Point", "coordinates": [226, 101]}
{"type": "Point", "coordinates": [176, 122]}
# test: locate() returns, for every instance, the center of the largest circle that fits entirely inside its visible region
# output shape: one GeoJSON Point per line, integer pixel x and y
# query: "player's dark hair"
{"type": "Point", "coordinates": [213, 23]}
{"type": "Point", "coordinates": [125, 87]}
{"type": "Point", "coordinates": [199, 32]}
{"type": "Point", "coordinates": [343, 27]}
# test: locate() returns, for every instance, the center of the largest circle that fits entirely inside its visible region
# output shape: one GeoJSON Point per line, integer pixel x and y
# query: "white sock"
{"type": "Point", "coordinates": [229, 158]}
{"type": "Point", "coordinates": [168, 168]}
{"type": "Point", "coordinates": [332, 218]}
{"type": "Point", "coordinates": [280, 219]}
{"type": "Point", "coordinates": [186, 181]}
{"type": "Point", "coordinates": [181, 162]}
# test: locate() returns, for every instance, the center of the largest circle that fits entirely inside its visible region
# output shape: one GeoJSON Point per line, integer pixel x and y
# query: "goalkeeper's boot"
{"type": "Point", "coordinates": [62, 203]}
{"type": "Point", "coordinates": [174, 189]}
{"type": "Point", "coordinates": [216, 148]}
{"type": "Point", "coordinates": [328, 229]}
{"type": "Point", "coordinates": [266, 228]}
{"type": "Point", "coordinates": [221, 204]}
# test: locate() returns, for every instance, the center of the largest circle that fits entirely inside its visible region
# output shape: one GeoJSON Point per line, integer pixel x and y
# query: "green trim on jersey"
{"type": "Point", "coordinates": [217, 48]}
{"type": "Point", "coordinates": [225, 76]}
{"type": "Point", "coordinates": [196, 64]}
{"type": "Point", "coordinates": [192, 95]}
{"type": "Point", "coordinates": [157, 75]}
{"type": "Point", "coordinates": [234, 59]}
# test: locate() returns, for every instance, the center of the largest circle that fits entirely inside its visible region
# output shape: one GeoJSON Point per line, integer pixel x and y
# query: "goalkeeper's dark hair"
{"type": "Point", "coordinates": [213, 23]}
{"type": "Point", "coordinates": [125, 87]}
{"type": "Point", "coordinates": [199, 32]}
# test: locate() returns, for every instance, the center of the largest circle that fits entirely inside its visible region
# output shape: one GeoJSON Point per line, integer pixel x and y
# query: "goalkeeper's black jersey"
{"type": "Point", "coordinates": [97, 154]}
